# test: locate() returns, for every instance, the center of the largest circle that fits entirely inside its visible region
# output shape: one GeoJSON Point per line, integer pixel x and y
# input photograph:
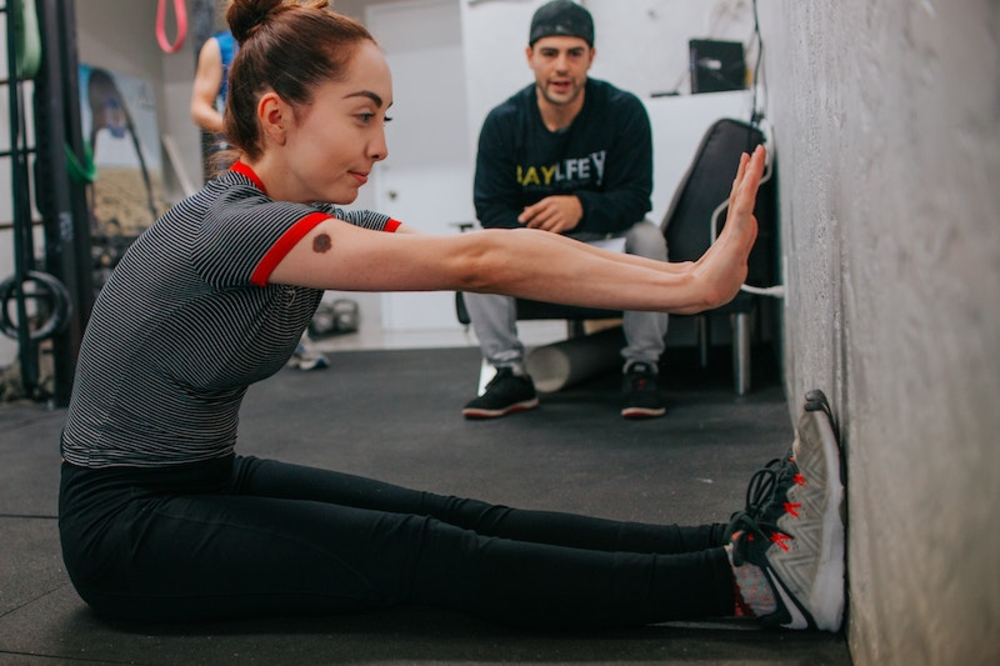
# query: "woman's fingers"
{"type": "Point", "coordinates": [735, 242]}
{"type": "Point", "coordinates": [743, 196]}
{"type": "Point", "coordinates": [748, 181]}
{"type": "Point", "coordinates": [744, 160]}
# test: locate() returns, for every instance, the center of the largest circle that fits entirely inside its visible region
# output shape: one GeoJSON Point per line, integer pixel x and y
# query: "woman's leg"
{"type": "Point", "coordinates": [270, 478]}
{"type": "Point", "coordinates": [558, 568]}
{"type": "Point", "coordinates": [168, 557]}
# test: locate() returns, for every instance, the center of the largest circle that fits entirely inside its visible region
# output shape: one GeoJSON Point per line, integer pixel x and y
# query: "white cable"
{"type": "Point", "coordinates": [776, 291]}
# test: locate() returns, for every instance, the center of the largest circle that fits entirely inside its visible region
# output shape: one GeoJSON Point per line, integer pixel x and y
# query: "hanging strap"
{"type": "Point", "coordinates": [27, 38]}
{"type": "Point", "coordinates": [82, 172]}
{"type": "Point", "coordinates": [180, 11]}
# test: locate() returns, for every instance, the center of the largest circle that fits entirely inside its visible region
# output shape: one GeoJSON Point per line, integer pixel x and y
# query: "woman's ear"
{"type": "Point", "coordinates": [274, 116]}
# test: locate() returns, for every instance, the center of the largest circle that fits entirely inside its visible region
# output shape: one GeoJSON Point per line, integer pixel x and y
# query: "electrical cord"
{"type": "Point", "coordinates": [757, 113]}
{"type": "Point", "coordinates": [757, 119]}
{"type": "Point", "coordinates": [775, 291]}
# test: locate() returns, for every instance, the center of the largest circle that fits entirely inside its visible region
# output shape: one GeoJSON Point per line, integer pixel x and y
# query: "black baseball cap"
{"type": "Point", "coordinates": [561, 17]}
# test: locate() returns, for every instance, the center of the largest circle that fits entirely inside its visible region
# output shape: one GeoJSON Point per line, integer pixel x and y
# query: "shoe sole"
{"type": "Point", "coordinates": [817, 454]}
{"type": "Point", "coordinates": [642, 412]}
{"type": "Point", "coordinates": [479, 413]}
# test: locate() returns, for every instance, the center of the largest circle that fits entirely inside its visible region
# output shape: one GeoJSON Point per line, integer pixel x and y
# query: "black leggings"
{"type": "Point", "coordinates": [248, 537]}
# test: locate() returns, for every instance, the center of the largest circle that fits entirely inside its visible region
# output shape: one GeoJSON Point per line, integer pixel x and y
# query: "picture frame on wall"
{"type": "Point", "coordinates": [121, 131]}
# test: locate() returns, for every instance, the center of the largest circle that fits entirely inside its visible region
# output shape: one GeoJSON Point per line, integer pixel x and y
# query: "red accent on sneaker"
{"type": "Point", "coordinates": [793, 508]}
{"type": "Point", "coordinates": [780, 539]}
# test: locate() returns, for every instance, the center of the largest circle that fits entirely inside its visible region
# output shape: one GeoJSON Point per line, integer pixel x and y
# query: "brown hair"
{"type": "Point", "coordinates": [289, 47]}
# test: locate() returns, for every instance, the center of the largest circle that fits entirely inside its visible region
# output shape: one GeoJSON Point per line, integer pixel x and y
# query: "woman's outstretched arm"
{"type": "Point", "coordinates": [531, 264]}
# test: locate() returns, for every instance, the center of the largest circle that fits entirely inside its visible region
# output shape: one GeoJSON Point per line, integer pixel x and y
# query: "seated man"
{"type": "Point", "coordinates": [573, 156]}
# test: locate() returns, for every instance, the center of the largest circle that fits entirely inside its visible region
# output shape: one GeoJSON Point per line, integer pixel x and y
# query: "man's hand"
{"type": "Point", "coordinates": [556, 214]}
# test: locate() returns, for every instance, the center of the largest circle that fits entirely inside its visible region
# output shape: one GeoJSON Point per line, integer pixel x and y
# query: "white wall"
{"type": "Point", "coordinates": [887, 118]}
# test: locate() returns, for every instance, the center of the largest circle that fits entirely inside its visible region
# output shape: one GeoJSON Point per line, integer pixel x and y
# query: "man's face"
{"type": "Point", "coordinates": [560, 65]}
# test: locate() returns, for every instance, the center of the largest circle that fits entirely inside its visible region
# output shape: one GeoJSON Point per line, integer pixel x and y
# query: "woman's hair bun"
{"type": "Point", "coordinates": [244, 16]}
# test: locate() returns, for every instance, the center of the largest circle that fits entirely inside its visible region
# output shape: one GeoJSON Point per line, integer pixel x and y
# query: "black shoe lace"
{"type": "Point", "coordinates": [752, 521]}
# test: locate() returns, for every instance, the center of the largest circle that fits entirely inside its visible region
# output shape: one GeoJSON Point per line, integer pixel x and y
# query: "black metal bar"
{"type": "Point", "coordinates": [21, 200]}
{"type": "Point", "coordinates": [61, 202]}
{"type": "Point", "coordinates": [201, 18]}
{"type": "Point", "coordinates": [7, 153]}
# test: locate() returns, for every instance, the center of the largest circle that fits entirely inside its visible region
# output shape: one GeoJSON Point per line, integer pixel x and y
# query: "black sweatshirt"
{"type": "Point", "coordinates": [605, 157]}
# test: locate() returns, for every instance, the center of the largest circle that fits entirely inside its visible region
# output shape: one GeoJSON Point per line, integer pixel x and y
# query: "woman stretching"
{"type": "Point", "coordinates": [161, 519]}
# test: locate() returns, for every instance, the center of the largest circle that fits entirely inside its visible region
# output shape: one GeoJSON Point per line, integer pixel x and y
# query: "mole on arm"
{"type": "Point", "coordinates": [322, 243]}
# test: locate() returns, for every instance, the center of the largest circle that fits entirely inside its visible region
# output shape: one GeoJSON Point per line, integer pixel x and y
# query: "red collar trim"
{"type": "Point", "coordinates": [241, 168]}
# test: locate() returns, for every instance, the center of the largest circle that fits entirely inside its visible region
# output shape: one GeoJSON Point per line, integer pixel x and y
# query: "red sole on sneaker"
{"type": "Point", "coordinates": [638, 413]}
{"type": "Point", "coordinates": [481, 414]}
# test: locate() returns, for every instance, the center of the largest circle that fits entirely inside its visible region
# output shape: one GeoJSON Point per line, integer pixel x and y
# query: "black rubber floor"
{"type": "Point", "coordinates": [395, 415]}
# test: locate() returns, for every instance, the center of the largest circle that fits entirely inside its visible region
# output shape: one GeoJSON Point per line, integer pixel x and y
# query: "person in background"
{"type": "Point", "coordinates": [161, 520]}
{"type": "Point", "coordinates": [208, 97]}
{"type": "Point", "coordinates": [568, 155]}
{"type": "Point", "coordinates": [208, 103]}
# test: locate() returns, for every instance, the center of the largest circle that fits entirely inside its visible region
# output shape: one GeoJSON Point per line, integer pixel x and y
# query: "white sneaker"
{"type": "Point", "coordinates": [792, 527]}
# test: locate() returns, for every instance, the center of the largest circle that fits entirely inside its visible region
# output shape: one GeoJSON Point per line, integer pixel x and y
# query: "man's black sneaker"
{"type": "Point", "coordinates": [792, 528]}
{"type": "Point", "coordinates": [642, 399]}
{"type": "Point", "coordinates": [505, 394]}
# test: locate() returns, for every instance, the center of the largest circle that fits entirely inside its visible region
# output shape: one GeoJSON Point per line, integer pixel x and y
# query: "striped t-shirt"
{"type": "Point", "coordinates": [187, 322]}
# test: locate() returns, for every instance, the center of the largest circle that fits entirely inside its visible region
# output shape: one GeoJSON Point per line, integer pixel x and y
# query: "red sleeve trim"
{"type": "Point", "coordinates": [241, 168]}
{"type": "Point", "coordinates": [392, 225]}
{"type": "Point", "coordinates": [283, 246]}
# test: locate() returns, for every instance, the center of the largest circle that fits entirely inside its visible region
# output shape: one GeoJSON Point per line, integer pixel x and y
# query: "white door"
{"type": "Point", "coordinates": [427, 179]}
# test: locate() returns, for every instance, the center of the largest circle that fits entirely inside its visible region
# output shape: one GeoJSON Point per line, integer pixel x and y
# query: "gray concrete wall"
{"type": "Point", "coordinates": [887, 119]}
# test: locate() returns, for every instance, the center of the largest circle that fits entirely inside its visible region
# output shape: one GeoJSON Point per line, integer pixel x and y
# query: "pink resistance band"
{"type": "Point", "coordinates": [180, 10]}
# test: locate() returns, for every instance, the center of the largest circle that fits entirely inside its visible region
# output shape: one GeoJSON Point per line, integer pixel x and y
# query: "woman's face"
{"type": "Point", "coordinates": [338, 139]}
